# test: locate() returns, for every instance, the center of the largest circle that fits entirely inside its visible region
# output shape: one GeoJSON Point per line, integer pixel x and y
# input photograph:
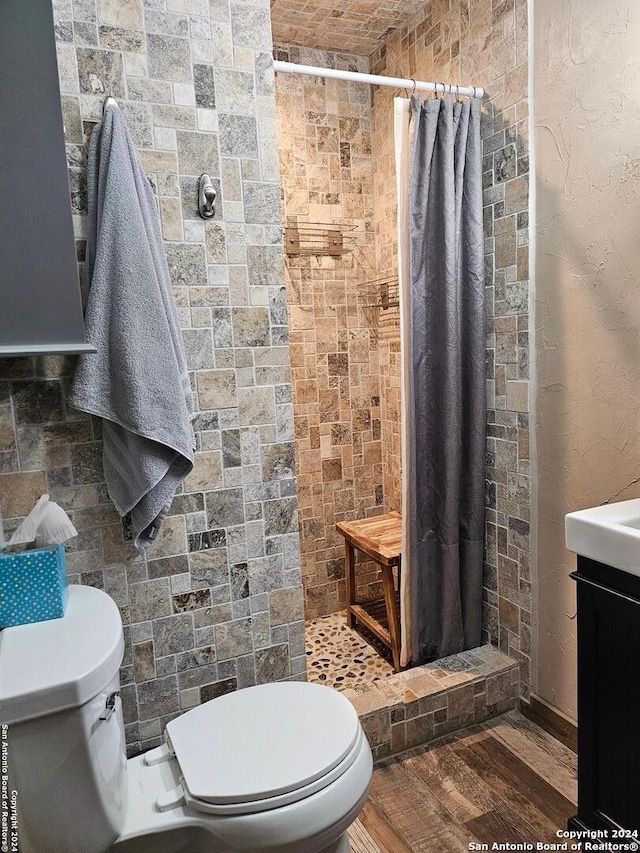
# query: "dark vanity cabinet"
{"type": "Point", "coordinates": [40, 302]}
{"type": "Point", "coordinates": [608, 698]}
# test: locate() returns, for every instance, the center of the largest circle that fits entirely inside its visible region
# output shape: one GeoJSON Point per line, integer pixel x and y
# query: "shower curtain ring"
{"type": "Point", "coordinates": [413, 87]}
{"type": "Point", "coordinates": [474, 92]}
{"type": "Point", "coordinates": [457, 94]}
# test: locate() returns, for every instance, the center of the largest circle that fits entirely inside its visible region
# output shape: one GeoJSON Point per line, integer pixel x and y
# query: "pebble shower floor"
{"type": "Point", "coordinates": [340, 657]}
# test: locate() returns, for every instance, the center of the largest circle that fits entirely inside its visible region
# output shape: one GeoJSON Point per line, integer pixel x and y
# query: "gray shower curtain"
{"type": "Point", "coordinates": [447, 399]}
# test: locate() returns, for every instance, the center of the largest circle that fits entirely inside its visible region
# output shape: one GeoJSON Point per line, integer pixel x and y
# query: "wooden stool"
{"type": "Point", "coordinates": [380, 538]}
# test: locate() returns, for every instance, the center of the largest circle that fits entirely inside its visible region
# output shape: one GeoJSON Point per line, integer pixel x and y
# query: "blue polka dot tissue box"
{"type": "Point", "coordinates": [33, 586]}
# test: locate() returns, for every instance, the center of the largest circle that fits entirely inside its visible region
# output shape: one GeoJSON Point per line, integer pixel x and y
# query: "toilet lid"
{"type": "Point", "coordinates": [263, 742]}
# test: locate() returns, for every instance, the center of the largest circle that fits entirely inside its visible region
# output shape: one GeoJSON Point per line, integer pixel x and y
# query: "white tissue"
{"type": "Point", "coordinates": [46, 524]}
{"type": "Point", "coordinates": [26, 532]}
{"type": "Point", "coordinates": [55, 526]}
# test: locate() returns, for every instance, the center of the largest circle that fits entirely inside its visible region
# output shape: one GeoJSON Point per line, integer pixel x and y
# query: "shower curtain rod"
{"type": "Point", "coordinates": [376, 80]}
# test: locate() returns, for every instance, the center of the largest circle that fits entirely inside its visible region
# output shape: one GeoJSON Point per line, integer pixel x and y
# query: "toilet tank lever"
{"type": "Point", "coordinates": [110, 705]}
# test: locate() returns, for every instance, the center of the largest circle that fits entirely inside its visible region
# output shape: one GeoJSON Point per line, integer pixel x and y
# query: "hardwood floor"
{"type": "Point", "coordinates": [505, 781]}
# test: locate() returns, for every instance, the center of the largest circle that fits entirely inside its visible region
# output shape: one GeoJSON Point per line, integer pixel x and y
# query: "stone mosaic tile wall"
{"type": "Point", "coordinates": [325, 161]}
{"type": "Point", "coordinates": [390, 398]}
{"type": "Point", "coordinates": [386, 229]}
{"type": "Point", "coordinates": [483, 42]}
{"type": "Point", "coordinates": [216, 603]}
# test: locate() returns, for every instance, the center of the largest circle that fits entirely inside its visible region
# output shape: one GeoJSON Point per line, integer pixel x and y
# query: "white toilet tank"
{"type": "Point", "coordinates": [67, 764]}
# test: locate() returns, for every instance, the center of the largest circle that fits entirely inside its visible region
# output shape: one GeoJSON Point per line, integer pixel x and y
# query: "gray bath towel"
{"type": "Point", "coordinates": [137, 382]}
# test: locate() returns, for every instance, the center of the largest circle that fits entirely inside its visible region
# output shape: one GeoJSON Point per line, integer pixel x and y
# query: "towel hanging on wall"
{"type": "Point", "coordinates": [137, 381]}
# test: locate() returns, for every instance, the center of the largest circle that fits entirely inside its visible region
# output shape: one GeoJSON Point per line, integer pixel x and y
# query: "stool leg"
{"type": "Point", "coordinates": [350, 575]}
{"type": "Point", "coordinates": [392, 614]}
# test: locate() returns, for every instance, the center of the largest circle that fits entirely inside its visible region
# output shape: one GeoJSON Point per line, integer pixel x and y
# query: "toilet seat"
{"type": "Point", "coordinates": [261, 748]}
{"type": "Point", "coordinates": [263, 805]}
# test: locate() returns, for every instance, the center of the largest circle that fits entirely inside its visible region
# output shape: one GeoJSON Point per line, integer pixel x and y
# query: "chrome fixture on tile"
{"type": "Point", "coordinates": [109, 101]}
{"type": "Point", "coordinates": [206, 197]}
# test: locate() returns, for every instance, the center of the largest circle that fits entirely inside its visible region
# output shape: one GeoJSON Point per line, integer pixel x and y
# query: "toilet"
{"type": "Point", "coordinates": [281, 767]}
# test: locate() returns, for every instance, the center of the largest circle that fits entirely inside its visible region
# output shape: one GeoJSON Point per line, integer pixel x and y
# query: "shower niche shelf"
{"type": "Point", "coordinates": [332, 239]}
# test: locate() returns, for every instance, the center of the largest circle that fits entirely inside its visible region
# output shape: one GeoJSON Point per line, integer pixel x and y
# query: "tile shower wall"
{"type": "Point", "coordinates": [386, 243]}
{"type": "Point", "coordinates": [482, 42]}
{"type": "Point", "coordinates": [390, 398]}
{"type": "Point", "coordinates": [325, 160]}
{"type": "Point", "coordinates": [216, 603]}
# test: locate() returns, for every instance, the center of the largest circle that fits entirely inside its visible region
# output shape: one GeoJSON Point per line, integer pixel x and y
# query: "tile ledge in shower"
{"type": "Point", "coordinates": [418, 705]}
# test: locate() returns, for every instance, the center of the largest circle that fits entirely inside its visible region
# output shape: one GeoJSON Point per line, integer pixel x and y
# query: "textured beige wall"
{"type": "Point", "coordinates": [587, 133]}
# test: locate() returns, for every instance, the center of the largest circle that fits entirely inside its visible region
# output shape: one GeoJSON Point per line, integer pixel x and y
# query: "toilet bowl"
{"type": "Point", "coordinates": [278, 767]}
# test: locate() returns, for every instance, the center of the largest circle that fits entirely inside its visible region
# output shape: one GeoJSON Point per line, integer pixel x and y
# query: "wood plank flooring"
{"type": "Point", "coordinates": [507, 780]}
